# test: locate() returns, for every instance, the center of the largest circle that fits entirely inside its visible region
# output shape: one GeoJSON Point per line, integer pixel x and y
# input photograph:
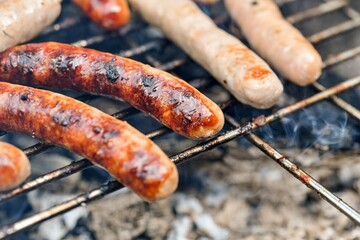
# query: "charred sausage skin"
{"type": "Point", "coordinates": [14, 166]}
{"type": "Point", "coordinates": [110, 14]}
{"type": "Point", "coordinates": [113, 144]}
{"type": "Point", "coordinates": [169, 99]}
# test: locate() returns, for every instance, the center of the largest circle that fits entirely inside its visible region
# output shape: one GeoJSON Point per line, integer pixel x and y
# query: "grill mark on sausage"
{"type": "Point", "coordinates": [59, 66]}
{"type": "Point", "coordinates": [112, 73]}
{"type": "Point", "coordinates": [106, 141]}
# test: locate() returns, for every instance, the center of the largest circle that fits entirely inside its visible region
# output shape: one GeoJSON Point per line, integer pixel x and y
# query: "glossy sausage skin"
{"type": "Point", "coordinates": [236, 67]}
{"type": "Point", "coordinates": [275, 39]}
{"type": "Point", "coordinates": [124, 152]}
{"type": "Point", "coordinates": [14, 166]}
{"type": "Point", "coordinates": [110, 14]}
{"type": "Point", "coordinates": [171, 100]}
{"type": "Point", "coordinates": [21, 20]}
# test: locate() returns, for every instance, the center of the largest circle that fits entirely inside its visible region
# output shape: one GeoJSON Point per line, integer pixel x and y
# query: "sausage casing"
{"type": "Point", "coordinates": [113, 144]}
{"type": "Point", "coordinates": [277, 40]}
{"type": "Point", "coordinates": [110, 14]}
{"type": "Point", "coordinates": [14, 166]}
{"type": "Point", "coordinates": [236, 67]}
{"type": "Point", "coordinates": [169, 99]}
{"type": "Point", "coordinates": [21, 20]}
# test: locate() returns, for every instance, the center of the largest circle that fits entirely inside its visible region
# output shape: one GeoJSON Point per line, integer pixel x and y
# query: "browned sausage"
{"type": "Point", "coordinates": [277, 40]}
{"type": "Point", "coordinates": [21, 20]}
{"type": "Point", "coordinates": [171, 100]}
{"type": "Point", "coordinates": [110, 14]}
{"type": "Point", "coordinates": [14, 166]}
{"type": "Point", "coordinates": [113, 144]}
{"type": "Point", "coordinates": [236, 67]}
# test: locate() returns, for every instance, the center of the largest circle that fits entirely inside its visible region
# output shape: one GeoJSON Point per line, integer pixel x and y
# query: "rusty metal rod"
{"type": "Point", "coordinates": [341, 57]}
{"type": "Point", "coordinates": [354, 112]}
{"type": "Point", "coordinates": [306, 179]}
{"type": "Point", "coordinates": [72, 168]}
{"type": "Point", "coordinates": [333, 31]}
{"type": "Point", "coordinates": [282, 2]}
{"type": "Point", "coordinates": [317, 11]}
{"type": "Point", "coordinates": [68, 22]}
{"type": "Point", "coordinates": [301, 175]}
{"type": "Point", "coordinates": [332, 60]}
{"type": "Point", "coordinates": [210, 145]}
{"type": "Point", "coordinates": [178, 158]}
{"type": "Point", "coordinates": [25, 223]}
{"type": "Point", "coordinates": [59, 173]}
{"type": "Point", "coordinates": [341, 87]}
{"type": "Point", "coordinates": [112, 186]}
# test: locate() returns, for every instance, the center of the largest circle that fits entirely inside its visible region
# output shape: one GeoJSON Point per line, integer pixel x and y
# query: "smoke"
{"type": "Point", "coordinates": [321, 125]}
{"type": "Point", "coordinates": [324, 125]}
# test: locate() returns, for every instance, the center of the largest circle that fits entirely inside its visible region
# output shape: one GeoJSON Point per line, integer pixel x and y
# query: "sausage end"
{"type": "Point", "coordinates": [263, 93]}
{"type": "Point", "coordinates": [169, 186]}
{"type": "Point", "coordinates": [14, 167]}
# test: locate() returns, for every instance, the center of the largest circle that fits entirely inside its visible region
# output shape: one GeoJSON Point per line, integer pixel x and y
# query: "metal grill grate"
{"type": "Point", "coordinates": [238, 131]}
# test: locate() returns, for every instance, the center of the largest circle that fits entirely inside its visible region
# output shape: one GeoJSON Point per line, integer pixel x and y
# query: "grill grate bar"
{"type": "Point", "coordinates": [341, 87]}
{"type": "Point", "coordinates": [326, 7]}
{"type": "Point", "coordinates": [185, 155]}
{"type": "Point", "coordinates": [111, 186]}
{"type": "Point", "coordinates": [38, 148]}
{"type": "Point", "coordinates": [57, 174]}
{"type": "Point", "coordinates": [139, 49]}
{"type": "Point", "coordinates": [95, 39]}
{"type": "Point", "coordinates": [282, 2]}
{"type": "Point", "coordinates": [310, 13]}
{"type": "Point", "coordinates": [59, 209]}
{"type": "Point", "coordinates": [68, 22]}
{"type": "Point", "coordinates": [354, 112]}
{"type": "Point", "coordinates": [73, 167]}
{"type": "Point", "coordinates": [341, 57]}
{"type": "Point", "coordinates": [317, 11]}
{"type": "Point", "coordinates": [298, 173]}
{"type": "Point", "coordinates": [333, 31]}
{"type": "Point", "coordinates": [177, 159]}
{"type": "Point", "coordinates": [306, 179]}
{"type": "Point", "coordinates": [172, 64]}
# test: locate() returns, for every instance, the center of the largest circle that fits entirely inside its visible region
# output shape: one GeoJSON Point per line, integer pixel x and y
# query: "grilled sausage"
{"type": "Point", "coordinates": [21, 20]}
{"type": "Point", "coordinates": [169, 99]}
{"type": "Point", "coordinates": [124, 152]}
{"type": "Point", "coordinates": [14, 166]}
{"type": "Point", "coordinates": [243, 73]}
{"type": "Point", "coordinates": [110, 14]}
{"type": "Point", "coordinates": [277, 40]}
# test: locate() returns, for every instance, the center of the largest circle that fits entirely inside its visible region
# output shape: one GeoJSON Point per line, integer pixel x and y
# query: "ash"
{"type": "Point", "coordinates": [228, 193]}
